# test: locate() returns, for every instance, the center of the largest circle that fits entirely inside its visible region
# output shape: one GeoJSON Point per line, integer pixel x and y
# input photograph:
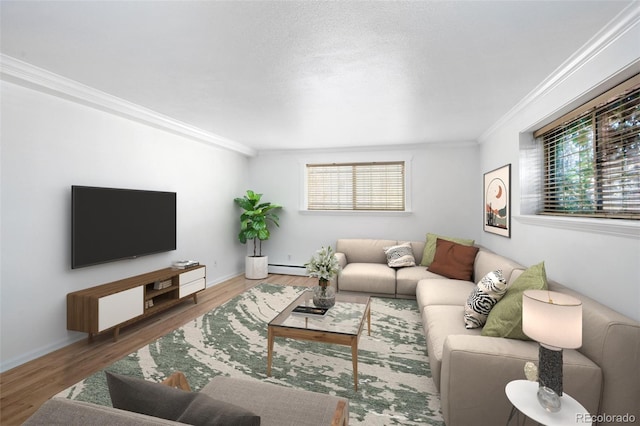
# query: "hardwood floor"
{"type": "Point", "coordinates": [24, 388]}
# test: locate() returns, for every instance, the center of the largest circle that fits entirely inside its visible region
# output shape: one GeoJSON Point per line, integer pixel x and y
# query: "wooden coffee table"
{"type": "Point", "coordinates": [342, 325]}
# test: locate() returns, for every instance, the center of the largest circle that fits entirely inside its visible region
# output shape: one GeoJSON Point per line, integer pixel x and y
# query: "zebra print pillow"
{"type": "Point", "coordinates": [483, 298]}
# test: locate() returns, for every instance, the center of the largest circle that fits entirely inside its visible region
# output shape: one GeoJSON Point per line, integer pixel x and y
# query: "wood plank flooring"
{"type": "Point", "coordinates": [24, 388]}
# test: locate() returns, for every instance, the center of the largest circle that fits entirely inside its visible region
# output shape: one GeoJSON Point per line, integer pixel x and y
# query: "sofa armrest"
{"type": "Point", "coordinates": [474, 373]}
{"type": "Point", "coordinates": [342, 259]}
{"type": "Point", "coordinates": [66, 412]}
{"type": "Point", "coordinates": [476, 369]}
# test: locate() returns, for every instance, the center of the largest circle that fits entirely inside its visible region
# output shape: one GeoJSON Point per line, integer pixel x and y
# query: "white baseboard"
{"type": "Point", "coordinates": [74, 336]}
{"type": "Point", "coordinates": [288, 270]}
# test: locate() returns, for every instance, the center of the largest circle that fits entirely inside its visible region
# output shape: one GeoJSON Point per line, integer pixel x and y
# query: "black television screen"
{"type": "Point", "coordinates": [110, 224]}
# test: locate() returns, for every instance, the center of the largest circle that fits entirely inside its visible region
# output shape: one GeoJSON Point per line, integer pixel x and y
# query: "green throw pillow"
{"type": "Point", "coordinates": [430, 247]}
{"type": "Point", "coordinates": [505, 319]}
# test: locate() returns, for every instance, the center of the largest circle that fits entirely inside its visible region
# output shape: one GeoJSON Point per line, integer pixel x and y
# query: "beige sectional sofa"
{"type": "Point", "coordinates": [276, 406]}
{"type": "Point", "coordinates": [471, 370]}
{"type": "Point", "coordinates": [364, 268]}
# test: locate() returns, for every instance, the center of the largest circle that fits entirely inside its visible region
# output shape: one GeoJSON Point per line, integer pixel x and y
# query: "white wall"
{"type": "Point", "coordinates": [49, 144]}
{"type": "Point", "coordinates": [603, 266]}
{"type": "Point", "coordinates": [444, 190]}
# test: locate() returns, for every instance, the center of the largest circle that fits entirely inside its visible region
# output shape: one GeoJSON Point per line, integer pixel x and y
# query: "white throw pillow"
{"type": "Point", "coordinates": [400, 256]}
{"type": "Point", "coordinates": [483, 298]}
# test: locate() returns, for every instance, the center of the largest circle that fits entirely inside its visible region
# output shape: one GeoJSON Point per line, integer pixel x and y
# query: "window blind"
{"type": "Point", "coordinates": [356, 186]}
{"type": "Point", "coordinates": [592, 161]}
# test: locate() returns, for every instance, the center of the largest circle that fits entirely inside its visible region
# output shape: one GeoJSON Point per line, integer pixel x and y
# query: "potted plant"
{"type": "Point", "coordinates": [254, 225]}
{"type": "Point", "coordinates": [323, 265]}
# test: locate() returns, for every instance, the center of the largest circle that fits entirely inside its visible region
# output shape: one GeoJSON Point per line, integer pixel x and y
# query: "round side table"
{"type": "Point", "coordinates": [523, 396]}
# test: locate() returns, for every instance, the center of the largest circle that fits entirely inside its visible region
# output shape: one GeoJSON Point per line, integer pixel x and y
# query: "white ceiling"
{"type": "Point", "coordinates": [310, 74]}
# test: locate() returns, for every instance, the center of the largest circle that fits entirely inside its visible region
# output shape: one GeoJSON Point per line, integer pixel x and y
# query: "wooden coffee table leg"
{"type": "Point", "coordinates": [354, 360]}
{"type": "Point", "coordinates": [269, 350]}
{"type": "Point", "coordinates": [369, 321]}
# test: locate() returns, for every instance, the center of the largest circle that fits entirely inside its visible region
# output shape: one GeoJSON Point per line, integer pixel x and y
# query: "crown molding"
{"type": "Point", "coordinates": [27, 75]}
{"type": "Point", "coordinates": [370, 148]}
{"type": "Point", "coordinates": [620, 25]}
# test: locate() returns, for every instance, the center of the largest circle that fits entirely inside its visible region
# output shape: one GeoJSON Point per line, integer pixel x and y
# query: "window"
{"type": "Point", "coordinates": [356, 186]}
{"type": "Point", "coordinates": [592, 157]}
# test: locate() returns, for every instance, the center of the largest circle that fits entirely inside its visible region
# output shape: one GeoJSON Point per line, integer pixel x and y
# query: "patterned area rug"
{"type": "Point", "coordinates": [395, 385]}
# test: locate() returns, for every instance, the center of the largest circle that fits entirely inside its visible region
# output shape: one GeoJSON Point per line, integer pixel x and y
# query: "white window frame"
{"type": "Point", "coordinates": [361, 159]}
{"type": "Point", "coordinates": [531, 158]}
{"type": "Point", "coordinates": [588, 161]}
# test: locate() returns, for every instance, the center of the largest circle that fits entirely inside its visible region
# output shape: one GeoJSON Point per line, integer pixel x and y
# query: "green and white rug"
{"type": "Point", "coordinates": [395, 385]}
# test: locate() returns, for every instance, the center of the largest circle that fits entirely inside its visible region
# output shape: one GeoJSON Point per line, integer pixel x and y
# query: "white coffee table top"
{"type": "Point", "coordinates": [523, 395]}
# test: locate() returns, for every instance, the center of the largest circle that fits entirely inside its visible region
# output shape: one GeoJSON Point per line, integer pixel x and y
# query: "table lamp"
{"type": "Point", "coordinates": [554, 320]}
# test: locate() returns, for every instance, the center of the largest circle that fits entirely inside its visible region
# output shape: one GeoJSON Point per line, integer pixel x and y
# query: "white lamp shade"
{"type": "Point", "coordinates": [553, 319]}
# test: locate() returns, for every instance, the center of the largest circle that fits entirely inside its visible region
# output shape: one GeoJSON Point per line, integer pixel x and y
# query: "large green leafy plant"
{"type": "Point", "coordinates": [255, 219]}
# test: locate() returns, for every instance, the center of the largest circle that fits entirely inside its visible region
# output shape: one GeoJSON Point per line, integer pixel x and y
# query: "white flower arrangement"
{"type": "Point", "coordinates": [323, 265]}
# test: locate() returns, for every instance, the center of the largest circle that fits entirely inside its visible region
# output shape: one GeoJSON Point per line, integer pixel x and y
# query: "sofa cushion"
{"type": "Point", "coordinates": [407, 279]}
{"type": "Point", "coordinates": [453, 260]}
{"type": "Point", "coordinates": [483, 298]}
{"type": "Point", "coordinates": [418, 250]}
{"type": "Point", "coordinates": [368, 277]}
{"type": "Point", "coordinates": [400, 255]}
{"type": "Point", "coordinates": [505, 319]}
{"type": "Point", "coordinates": [430, 246]}
{"type": "Point", "coordinates": [487, 261]}
{"type": "Point", "coordinates": [364, 250]}
{"type": "Point", "coordinates": [440, 321]}
{"type": "Point", "coordinates": [158, 400]}
{"type": "Point", "coordinates": [442, 291]}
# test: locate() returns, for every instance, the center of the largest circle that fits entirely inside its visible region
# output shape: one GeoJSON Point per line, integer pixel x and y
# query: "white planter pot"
{"type": "Point", "coordinates": [256, 268]}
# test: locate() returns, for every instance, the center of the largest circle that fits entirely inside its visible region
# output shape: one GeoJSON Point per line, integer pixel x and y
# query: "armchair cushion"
{"type": "Point", "coordinates": [157, 400]}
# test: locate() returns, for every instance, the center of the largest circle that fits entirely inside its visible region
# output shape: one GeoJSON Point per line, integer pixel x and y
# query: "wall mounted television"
{"type": "Point", "coordinates": [109, 224]}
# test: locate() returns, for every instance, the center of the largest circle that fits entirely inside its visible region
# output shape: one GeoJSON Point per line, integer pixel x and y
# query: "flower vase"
{"type": "Point", "coordinates": [324, 296]}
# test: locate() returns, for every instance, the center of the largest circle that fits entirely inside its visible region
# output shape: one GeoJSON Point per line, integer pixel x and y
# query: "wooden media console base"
{"type": "Point", "coordinates": [113, 305]}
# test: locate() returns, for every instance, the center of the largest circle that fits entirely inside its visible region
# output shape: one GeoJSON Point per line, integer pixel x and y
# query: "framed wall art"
{"type": "Point", "coordinates": [497, 201]}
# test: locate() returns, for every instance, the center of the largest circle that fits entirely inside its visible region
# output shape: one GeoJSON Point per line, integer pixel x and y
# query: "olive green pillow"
{"type": "Point", "coordinates": [505, 319]}
{"type": "Point", "coordinates": [430, 247]}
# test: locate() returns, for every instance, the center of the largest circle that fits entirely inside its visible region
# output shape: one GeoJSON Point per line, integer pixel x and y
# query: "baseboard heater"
{"type": "Point", "coordinates": [287, 269]}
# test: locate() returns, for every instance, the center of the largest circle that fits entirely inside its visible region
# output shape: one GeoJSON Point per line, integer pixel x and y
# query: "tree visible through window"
{"type": "Point", "coordinates": [592, 160]}
{"type": "Point", "coordinates": [356, 186]}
